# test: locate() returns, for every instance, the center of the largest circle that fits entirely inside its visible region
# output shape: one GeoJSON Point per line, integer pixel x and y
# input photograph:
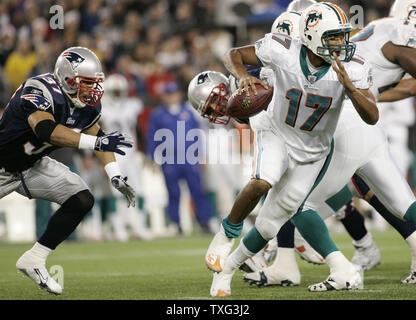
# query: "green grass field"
{"type": "Point", "coordinates": [174, 268]}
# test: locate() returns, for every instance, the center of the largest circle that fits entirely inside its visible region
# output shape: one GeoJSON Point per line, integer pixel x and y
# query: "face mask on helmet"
{"type": "Point", "coordinates": [215, 105]}
{"type": "Point", "coordinates": [338, 42]}
{"type": "Point", "coordinates": [88, 90]}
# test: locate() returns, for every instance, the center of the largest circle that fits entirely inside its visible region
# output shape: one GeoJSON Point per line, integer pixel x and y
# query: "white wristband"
{"type": "Point", "coordinates": [87, 141]}
{"type": "Point", "coordinates": [112, 169]}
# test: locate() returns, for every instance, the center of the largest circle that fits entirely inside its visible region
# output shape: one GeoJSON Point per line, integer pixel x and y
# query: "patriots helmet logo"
{"type": "Point", "coordinates": [285, 27]}
{"type": "Point", "coordinates": [202, 78]}
{"type": "Point", "coordinates": [39, 101]}
{"type": "Point", "coordinates": [313, 19]}
{"type": "Point", "coordinates": [74, 58]}
{"type": "Point", "coordinates": [412, 11]}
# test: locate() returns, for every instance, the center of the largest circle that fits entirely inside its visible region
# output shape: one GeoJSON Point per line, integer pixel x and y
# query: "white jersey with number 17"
{"type": "Point", "coordinates": [306, 101]}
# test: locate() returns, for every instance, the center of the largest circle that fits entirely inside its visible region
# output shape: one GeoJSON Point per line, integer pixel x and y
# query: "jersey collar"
{"type": "Point", "coordinates": [311, 77]}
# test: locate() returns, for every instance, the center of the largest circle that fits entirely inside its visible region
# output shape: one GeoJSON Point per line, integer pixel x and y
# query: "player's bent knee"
{"type": "Point", "coordinates": [291, 200]}
{"type": "Point", "coordinates": [82, 202]}
{"type": "Point", "coordinates": [267, 227]}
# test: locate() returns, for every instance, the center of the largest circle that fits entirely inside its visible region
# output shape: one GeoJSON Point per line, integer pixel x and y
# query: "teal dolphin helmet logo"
{"type": "Point", "coordinates": [284, 27]}
{"type": "Point", "coordinates": [313, 19]}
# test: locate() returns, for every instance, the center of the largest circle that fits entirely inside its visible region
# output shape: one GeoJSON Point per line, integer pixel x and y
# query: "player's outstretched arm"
{"type": "Point", "coordinates": [47, 130]}
{"type": "Point", "coordinates": [112, 169]}
{"type": "Point", "coordinates": [235, 59]}
{"type": "Point", "coordinates": [363, 100]}
{"type": "Point", "coordinates": [404, 89]}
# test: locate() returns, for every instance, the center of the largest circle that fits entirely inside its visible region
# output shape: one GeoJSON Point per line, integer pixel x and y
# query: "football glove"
{"type": "Point", "coordinates": [121, 185]}
{"type": "Point", "coordinates": [112, 142]}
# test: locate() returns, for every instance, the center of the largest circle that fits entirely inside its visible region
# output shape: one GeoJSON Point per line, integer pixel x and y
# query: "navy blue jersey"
{"type": "Point", "coordinates": [19, 146]}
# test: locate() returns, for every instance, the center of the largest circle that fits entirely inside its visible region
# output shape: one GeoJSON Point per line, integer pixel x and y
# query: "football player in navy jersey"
{"type": "Point", "coordinates": [46, 112]}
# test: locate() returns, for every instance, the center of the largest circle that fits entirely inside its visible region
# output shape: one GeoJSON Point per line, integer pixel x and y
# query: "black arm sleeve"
{"type": "Point", "coordinates": [44, 129]}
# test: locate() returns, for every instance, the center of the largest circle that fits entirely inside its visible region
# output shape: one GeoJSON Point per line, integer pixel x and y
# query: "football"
{"type": "Point", "coordinates": [243, 106]}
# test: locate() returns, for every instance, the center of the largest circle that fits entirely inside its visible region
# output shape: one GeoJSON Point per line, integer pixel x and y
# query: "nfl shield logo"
{"type": "Point", "coordinates": [312, 78]}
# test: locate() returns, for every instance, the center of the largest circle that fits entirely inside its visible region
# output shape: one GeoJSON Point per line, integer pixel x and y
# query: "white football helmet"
{"type": "Point", "coordinates": [208, 93]}
{"type": "Point", "coordinates": [320, 21]}
{"type": "Point", "coordinates": [287, 23]}
{"type": "Point", "coordinates": [299, 5]}
{"type": "Point", "coordinates": [79, 73]}
{"type": "Point", "coordinates": [116, 86]}
{"type": "Point", "coordinates": [404, 9]}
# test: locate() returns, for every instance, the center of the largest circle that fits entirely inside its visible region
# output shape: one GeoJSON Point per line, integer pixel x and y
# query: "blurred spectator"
{"type": "Point", "coordinates": [19, 63]}
{"type": "Point", "coordinates": [45, 60]}
{"type": "Point", "coordinates": [129, 69]}
{"type": "Point", "coordinates": [174, 116]}
{"type": "Point", "coordinates": [89, 16]}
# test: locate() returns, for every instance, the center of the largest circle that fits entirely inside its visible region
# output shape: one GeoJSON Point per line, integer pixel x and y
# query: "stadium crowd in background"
{"type": "Point", "coordinates": [150, 42]}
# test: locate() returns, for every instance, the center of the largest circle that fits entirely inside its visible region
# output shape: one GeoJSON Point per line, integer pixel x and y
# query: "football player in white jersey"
{"type": "Point", "coordinates": [365, 150]}
{"type": "Point", "coordinates": [121, 113]}
{"type": "Point", "coordinates": [296, 146]}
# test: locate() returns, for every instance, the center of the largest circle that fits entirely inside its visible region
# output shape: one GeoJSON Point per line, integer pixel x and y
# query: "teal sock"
{"type": "Point", "coordinates": [232, 230]}
{"type": "Point", "coordinates": [254, 241]}
{"type": "Point", "coordinates": [411, 213]}
{"type": "Point", "coordinates": [313, 229]}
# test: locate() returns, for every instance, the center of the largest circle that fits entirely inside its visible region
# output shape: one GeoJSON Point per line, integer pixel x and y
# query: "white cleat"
{"type": "Point", "coordinates": [38, 273]}
{"type": "Point", "coordinates": [410, 279]}
{"type": "Point", "coordinates": [255, 263]}
{"type": "Point", "coordinates": [340, 281]}
{"type": "Point", "coordinates": [221, 284]}
{"type": "Point", "coordinates": [218, 251]}
{"type": "Point", "coordinates": [305, 251]}
{"type": "Point", "coordinates": [367, 257]}
{"type": "Point", "coordinates": [269, 277]}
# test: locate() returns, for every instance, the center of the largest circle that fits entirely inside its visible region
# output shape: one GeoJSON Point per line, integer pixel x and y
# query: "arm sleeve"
{"type": "Point", "coordinates": [272, 49]}
{"type": "Point", "coordinates": [360, 74]}
{"type": "Point", "coordinates": [262, 50]}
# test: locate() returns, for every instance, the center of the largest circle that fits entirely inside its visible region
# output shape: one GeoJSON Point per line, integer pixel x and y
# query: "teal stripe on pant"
{"type": "Point", "coordinates": [321, 173]}
{"type": "Point", "coordinates": [310, 225]}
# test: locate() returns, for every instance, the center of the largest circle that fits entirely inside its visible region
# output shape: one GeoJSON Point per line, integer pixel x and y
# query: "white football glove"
{"type": "Point", "coordinates": [121, 185]}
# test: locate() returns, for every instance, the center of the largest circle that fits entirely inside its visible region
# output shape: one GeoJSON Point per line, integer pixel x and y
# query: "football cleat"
{"type": "Point", "coordinates": [410, 279]}
{"type": "Point", "coordinates": [340, 281]}
{"type": "Point", "coordinates": [267, 277]}
{"type": "Point", "coordinates": [39, 274]}
{"type": "Point", "coordinates": [218, 251]}
{"type": "Point", "coordinates": [305, 251]}
{"type": "Point", "coordinates": [368, 257]}
{"type": "Point", "coordinates": [255, 263]}
{"type": "Point", "coordinates": [221, 284]}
